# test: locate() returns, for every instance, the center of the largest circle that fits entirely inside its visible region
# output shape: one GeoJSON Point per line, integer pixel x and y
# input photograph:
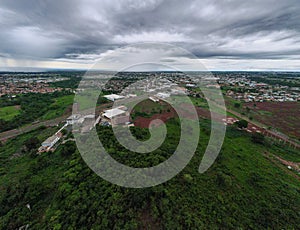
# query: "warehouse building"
{"type": "Point", "coordinates": [49, 143]}
{"type": "Point", "coordinates": [112, 113]}
{"type": "Point", "coordinates": [113, 97]}
{"type": "Point", "coordinates": [116, 116]}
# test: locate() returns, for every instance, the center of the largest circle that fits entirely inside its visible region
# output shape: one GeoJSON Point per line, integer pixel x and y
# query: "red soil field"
{"type": "Point", "coordinates": [144, 122]}
{"type": "Point", "coordinates": [283, 116]}
{"type": "Point", "coordinates": [184, 110]}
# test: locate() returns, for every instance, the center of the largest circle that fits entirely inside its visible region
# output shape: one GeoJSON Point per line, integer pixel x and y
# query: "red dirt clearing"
{"type": "Point", "coordinates": [145, 122]}
{"type": "Point", "coordinates": [282, 115]}
{"type": "Point", "coordinates": [185, 111]}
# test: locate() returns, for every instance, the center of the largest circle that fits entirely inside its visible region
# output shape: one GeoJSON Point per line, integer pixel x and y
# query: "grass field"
{"type": "Point", "coordinates": [9, 112]}
{"type": "Point", "coordinates": [149, 107]}
{"type": "Point", "coordinates": [59, 107]}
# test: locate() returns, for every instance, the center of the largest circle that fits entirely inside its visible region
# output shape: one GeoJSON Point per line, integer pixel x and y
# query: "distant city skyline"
{"type": "Point", "coordinates": [224, 35]}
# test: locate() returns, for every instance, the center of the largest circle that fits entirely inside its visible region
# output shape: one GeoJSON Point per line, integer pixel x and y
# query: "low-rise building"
{"type": "Point", "coordinates": [113, 97]}
{"type": "Point", "coordinates": [162, 95]}
{"type": "Point", "coordinates": [111, 113]}
{"type": "Point", "coordinates": [75, 119]}
{"type": "Point", "coordinates": [49, 143]}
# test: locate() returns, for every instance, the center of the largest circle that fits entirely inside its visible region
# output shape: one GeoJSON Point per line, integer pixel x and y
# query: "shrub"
{"type": "Point", "coordinates": [242, 124]}
{"type": "Point", "coordinates": [237, 105]}
{"type": "Point", "coordinates": [258, 138]}
{"type": "Point", "coordinates": [32, 143]}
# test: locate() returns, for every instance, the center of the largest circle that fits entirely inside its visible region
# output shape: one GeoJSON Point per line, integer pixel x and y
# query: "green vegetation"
{"type": "Point", "coordinates": [86, 99]}
{"type": "Point", "coordinates": [258, 138]}
{"type": "Point", "coordinates": [148, 108]}
{"type": "Point", "coordinates": [233, 104]}
{"type": "Point", "coordinates": [200, 102]}
{"type": "Point", "coordinates": [243, 189]}
{"type": "Point", "coordinates": [237, 105]}
{"type": "Point", "coordinates": [285, 152]}
{"type": "Point", "coordinates": [34, 107]}
{"type": "Point", "coordinates": [263, 112]}
{"type": "Point", "coordinates": [242, 124]}
{"type": "Point", "coordinates": [58, 107]}
{"type": "Point", "coordinates": [71, 83]}
{"type": "Point", "coordinates": [9, 112]}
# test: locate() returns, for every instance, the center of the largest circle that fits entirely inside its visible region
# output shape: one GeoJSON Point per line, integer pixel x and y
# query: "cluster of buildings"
{"type": "Point", "coordinates": [157, 86]}
{"type": "Point", "coordinates": [129, 83]}
{"type": "Point", "coordinates": [13, 84]}
{"type": "Point", "coordinates": [83, 123]}
{"type": "Point", "coordinates": [158, 90]}
{"type": "Point", "coordinates": [22, 88]}
{"type": "Point", "coordinates": [265, 95]}
{"type": "Point", "coordinates": [79, 123]}
{"type": "Point", "coordinates": [31, 77]}
{"type": "Point", "coordinates": [247, 90]}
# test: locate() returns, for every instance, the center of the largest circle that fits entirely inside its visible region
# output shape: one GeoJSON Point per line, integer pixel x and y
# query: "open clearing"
{"type": "Point", "coordinates": [283, 116]}
{"type": "Point", "coordinates": [9, 112]}
{"type": "Point", "coordinates": [61, 106]}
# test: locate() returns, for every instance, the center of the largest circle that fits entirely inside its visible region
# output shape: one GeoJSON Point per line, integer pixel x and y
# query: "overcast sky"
{"type": "Point", "coordinates": [224, 34]}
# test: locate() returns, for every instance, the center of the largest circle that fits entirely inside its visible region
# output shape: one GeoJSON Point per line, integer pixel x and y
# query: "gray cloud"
{"type": "Point", "coordinates": [84, 30]}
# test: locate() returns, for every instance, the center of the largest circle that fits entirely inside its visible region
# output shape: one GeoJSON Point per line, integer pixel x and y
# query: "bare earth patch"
{"type": "Point", "coordinates": [284, 116]}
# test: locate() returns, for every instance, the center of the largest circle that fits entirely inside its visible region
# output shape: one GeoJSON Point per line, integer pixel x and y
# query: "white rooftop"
{"type": "Point", "coordinates": [113, 97]}
{"type": "Point", "coordinates": [74, 117]}
{"type": "Point", "coordinates": [110, 113]}
{"type": "Point", "coordinates": [162, 95]}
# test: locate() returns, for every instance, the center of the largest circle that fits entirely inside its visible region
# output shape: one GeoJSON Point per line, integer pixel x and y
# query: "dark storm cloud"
{"type": "Point", "coordinates": [84, 29]}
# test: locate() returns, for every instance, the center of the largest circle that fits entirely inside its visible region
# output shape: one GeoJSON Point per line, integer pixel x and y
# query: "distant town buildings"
{"type": "Point", "coordinates": [12, 85]}
{"type": "Point", "coordinates": [247, 90]}
{"type": "Point", "coordinates": [157, 86]}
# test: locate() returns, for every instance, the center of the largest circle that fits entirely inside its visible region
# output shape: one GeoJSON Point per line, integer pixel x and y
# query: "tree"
{"type": "Point", "coordinates": [32, 143]}
{"type": "Point", "coordinates": [237, 105]}
{"type": "Point", "coordinates": [68, 148]}
{"type": "Point", "coordinates": [258, 138]}
{"type": "Point", "coordinates": [254, 179]}
{"type": "Point", "coordinates": [242, 124]}
{"type": "Point", "coordinates": [224, 180]}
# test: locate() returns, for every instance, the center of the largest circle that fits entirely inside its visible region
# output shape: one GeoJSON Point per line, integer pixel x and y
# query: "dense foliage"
{"type": "Point", "coordinates": [243, 189]}
{"type": "Point", "coordinates": [32, 107]}
{"type": "Point", "coordinates": [242, 124]}
{"type": "Point", "coordinates": [71, 83]}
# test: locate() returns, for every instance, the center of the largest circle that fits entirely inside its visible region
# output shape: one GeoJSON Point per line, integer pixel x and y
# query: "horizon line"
{"type": "Point", "coordinates": [40, 70]}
